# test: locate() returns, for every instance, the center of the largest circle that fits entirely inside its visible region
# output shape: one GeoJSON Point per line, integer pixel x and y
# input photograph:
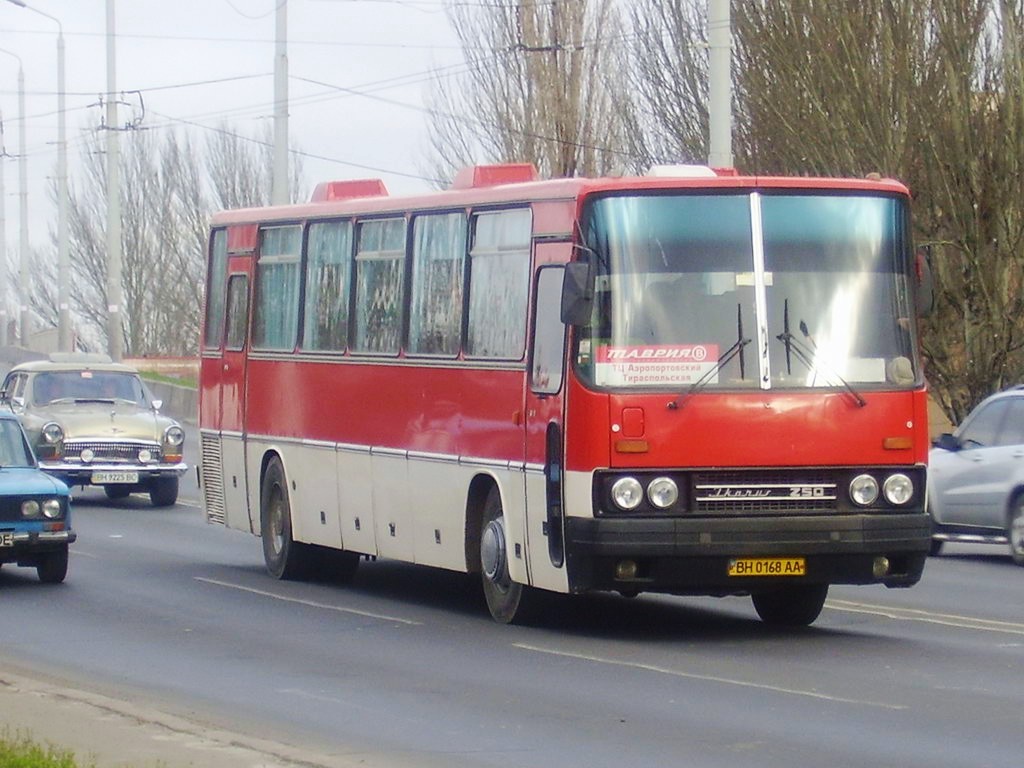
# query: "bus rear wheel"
{"type": "Point", "coordinates": [285, 558]}
{"type": "Point", "coordinates": [506, 600]}
{"type": "Point", "coordinates": [791, 606]}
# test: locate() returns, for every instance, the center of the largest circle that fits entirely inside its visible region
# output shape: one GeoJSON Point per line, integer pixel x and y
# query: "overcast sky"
{"type": "Point", "coordinates": [198, 63]}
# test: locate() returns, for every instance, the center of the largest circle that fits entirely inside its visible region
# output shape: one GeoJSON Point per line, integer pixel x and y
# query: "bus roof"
{"type": "Point", "coordinates": [369, 196]}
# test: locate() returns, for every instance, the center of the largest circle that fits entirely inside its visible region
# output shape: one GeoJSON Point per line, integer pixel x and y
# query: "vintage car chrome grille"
{"type": "Point", "coordinates": [110, 452]}
{"type": "Point", "coordinates": [763, 492]}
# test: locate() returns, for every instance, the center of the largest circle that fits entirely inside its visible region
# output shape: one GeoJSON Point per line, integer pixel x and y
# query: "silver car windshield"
{"type": "Point", "coordinates": [71, 386]}
{"type": "Point", "coordinates": [748, 290]}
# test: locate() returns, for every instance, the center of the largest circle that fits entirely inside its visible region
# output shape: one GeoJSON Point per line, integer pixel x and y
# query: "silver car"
{"type": "Point", "coordinates": [93, 422]}
{"type": "Point", "coordinates": [976, 477]}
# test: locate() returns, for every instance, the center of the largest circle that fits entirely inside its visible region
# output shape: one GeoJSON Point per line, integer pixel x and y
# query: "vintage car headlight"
{"type": "Point", "coordinates": [30, 508]}
{"type": "Point", "coordinates": [145, 455]}
{"type": "Point", "coordinates": [174, 435]}
{"type": "Point", "coordinates": [627, 493]}
{"type": "Point", "coordinates": [898, 489]}
{"type": "Point", "coordinates": [663, 492]}
{"type": "Point", "coordinates": [864, 490]}
{"type": "Point", "coordinates": [52, 432]}
{"type": "Point", "coordinates": [51, 508]}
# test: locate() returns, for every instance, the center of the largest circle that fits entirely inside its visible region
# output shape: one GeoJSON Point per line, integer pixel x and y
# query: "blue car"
{"type": "Point", "coordinates": [35, 509]}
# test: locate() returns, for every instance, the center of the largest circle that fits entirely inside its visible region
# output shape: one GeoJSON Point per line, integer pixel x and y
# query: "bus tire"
{"type": "Point", "coordinates": [285, 558]}
{"type": "Point", "coordinates": [791, 606]}
{"type": "Point", "coordinates": [506, 600]}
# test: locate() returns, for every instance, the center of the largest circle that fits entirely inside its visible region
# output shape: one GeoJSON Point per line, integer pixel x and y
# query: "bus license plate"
{"type": "Point", "coordinates": [768, 566]}
{"type": "Point", "coordinates": [105, 478]}
{"type": "Point", "coordinates": [6, 539]}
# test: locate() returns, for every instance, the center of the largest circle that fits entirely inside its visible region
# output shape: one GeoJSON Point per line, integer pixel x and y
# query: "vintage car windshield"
{"type": "Point", "coordinates": [685, 280]}
{"type": "Point", "coordinates": [14, 451]}
{"type": "Point", "coordinates": [70, 386]}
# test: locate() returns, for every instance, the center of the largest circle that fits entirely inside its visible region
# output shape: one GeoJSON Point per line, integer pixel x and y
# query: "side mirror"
{"type": "Point", "coordinates": [577, 293]}
{"type": "Point", "coordinates": [948, 442]}
{"type": "Point", "coordinates": [157, 404]}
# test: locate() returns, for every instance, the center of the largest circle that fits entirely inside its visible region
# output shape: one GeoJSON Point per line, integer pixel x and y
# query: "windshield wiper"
{"type": "Point", "coordinates": [806, 355]}
{"type": "Point", "coordinates": [729, 354]}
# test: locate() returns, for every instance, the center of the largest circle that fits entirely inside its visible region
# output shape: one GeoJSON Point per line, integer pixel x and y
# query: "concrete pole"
{"type": "Point", "coordinates": [3, 239]}
{"type": "Point", "coordinates": [279, 187]}
{"type": "Point", "coordinates": [23, 272]}
{"type": "Point", "coordinates": [719, 84]}
{"type": "Point", "coordinates": [115, 331]}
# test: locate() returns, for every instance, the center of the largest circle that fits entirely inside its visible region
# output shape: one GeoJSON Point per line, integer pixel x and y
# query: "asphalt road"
{"type": "Point", "coordinates": [404, 667]}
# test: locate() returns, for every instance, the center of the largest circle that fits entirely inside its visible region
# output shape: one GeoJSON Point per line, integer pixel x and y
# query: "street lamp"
{"type": "Point", "coordinates": [23, 197]}
{"type": "Point", "coordinates": [63, 265]}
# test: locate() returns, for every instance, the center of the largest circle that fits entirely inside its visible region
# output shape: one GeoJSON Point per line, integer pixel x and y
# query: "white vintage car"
{"type": "Point", "coordinates": [94, 422]}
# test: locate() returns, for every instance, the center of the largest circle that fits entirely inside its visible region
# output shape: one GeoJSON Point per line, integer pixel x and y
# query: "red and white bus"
{"type": "Point", "coordinates": [692, 382]}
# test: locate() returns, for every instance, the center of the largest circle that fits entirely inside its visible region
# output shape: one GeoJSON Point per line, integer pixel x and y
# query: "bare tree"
{"type": "Point", "coordinates": [240, 168]}
{"type": "Point", "coordinates": [928, 91]}
{"type": "Point", "coordinates": [541, 87]}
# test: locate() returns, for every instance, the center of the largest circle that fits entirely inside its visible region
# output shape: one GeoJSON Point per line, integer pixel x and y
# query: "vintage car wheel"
{"type": "Point", "coordinates": [117, 491]}
{"type": "Point", "coordinates": [791, 606]}
{"type": "Point", "coordinates": [508, 601]}
{"type": "Point", "coordinates": [164, 491]}
{"type": "Point", "coordinates": [53, 566]}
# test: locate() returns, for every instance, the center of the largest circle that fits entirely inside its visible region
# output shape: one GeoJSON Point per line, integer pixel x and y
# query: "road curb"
{"type": "Point", "coordinates": [111, 733]}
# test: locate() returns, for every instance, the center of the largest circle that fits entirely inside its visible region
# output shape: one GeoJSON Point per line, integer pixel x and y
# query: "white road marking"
{"type": "Point", "coordinates": [929, 617]}
{"type": "Point", "coordinates": [707, 678]}
{"type": "Point", "coordinates": [310, 603]}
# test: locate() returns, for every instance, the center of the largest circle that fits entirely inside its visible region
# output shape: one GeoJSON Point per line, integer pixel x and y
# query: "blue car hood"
{"type": "Point", "coordinates": [29, 481]}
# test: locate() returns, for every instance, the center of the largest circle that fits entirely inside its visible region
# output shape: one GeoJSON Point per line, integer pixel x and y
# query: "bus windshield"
{"type": "Point", "coordinates": [749, 290]}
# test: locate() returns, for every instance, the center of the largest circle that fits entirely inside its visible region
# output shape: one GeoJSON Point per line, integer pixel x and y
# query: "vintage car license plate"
{"type": "Point", "coordinates": [6, 539]}
{"type": "Point", "coordinates": [103, 478]}
{"type": "Point", "coordinates": [768, 566]}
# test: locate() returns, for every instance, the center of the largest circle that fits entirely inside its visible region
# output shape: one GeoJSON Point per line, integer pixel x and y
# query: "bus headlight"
{"type": "Point", "coordinates": [663, 492]}
{"type": "Point", "coordinates": [864, 490]}
{"type": "Point", "coordinates": [627, 493]}
{"type": "Point", "coordinates": [898, 489]}
{"type": "Point", "coordinates": [52, 432]}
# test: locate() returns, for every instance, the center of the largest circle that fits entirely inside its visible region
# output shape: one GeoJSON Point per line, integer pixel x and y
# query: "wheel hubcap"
{"type": "Point", "coordinates": [492, 552]}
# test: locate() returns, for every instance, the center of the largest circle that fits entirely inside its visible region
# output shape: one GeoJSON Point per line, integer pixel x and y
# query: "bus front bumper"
{"type": "Point", "coordinates": [693, 556]}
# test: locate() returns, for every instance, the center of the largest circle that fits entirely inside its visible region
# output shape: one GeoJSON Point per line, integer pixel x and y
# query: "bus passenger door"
{"type": "Point", "coordinates": [544, 448]}
{"type": "Point", "coordinates": [232, 397]}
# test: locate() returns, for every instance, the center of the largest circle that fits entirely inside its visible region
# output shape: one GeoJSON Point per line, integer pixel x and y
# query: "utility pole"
{"type": "Point", "coordinates": [115, 330]}
{"type": "Point", "coordinates": [719, 84]}
{"type": "Point", "coordinates": [3, 240]}
{"type": "Point", "coordinates": [63, 265]}
{"type": "Point", "coordinates": [23, 272]}
{"type": "Point", "coordinates": [279, 187]}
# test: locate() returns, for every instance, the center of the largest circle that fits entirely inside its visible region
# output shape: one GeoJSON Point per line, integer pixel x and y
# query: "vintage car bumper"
{"type": "Point", "coordinates": [79, 474]}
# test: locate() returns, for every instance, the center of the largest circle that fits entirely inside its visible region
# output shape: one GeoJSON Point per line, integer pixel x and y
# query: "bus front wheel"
{"type": "Point", "coordinates": [285, 558]}
{"type": "Point", "coordinates": [506, 599]}
{"type": "Point", "coordinates": [791, 606]}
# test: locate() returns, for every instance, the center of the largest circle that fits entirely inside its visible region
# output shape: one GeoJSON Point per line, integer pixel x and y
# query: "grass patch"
{"type": "Point", "coordinates": [181, 381]}
{"type": "Point", "coordinates": [21, 752]}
